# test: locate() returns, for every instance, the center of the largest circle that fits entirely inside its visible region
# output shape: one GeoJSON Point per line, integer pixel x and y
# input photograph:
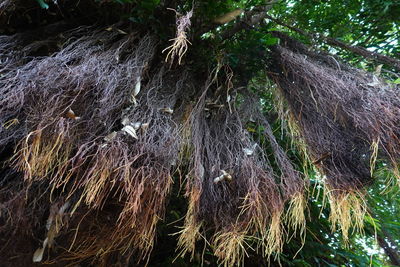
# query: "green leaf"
{"type": "Point", "coordinates": [270, 41]}
{"type": "Point", "coordinates": [43, 4]}
{"type": "Point", "coordinates": [393, 224]}
{"type": "Point", "coordinates": [397, 81]}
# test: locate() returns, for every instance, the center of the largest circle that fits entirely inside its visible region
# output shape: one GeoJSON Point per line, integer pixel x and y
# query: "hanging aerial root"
{"type": "Point", "coordinates": [230, 247]}
{"type": "Point", "coordinates": [245, 211]}
{"type": "Point", "coordinates": [142, 213]}
{"type": "Point", "coordinates": [73, 107]}
{"type": "Point", "coordinates": [137, 184]}
{"type": "Point", "coordinates": [188, 237]}
{"type": "Point", "coordinates": [292, 185]}
{"type": "Point", "coordinates": [396, 172]}
{"type": "Point", "coordinates": [289, 125]}
{"type": "Point", "coordinates": [295, 216]}
{"type": "Point", "coordinates": [190, 232]}
{"type": "Point", "coordinates": [41, 154]}
{"type": "Point", "coordinates": [264, 227]}
{"type": "Point", "coordinates": [347, 121]}
{"type": "Point", "coordinates": [134, 178]}
{"type": "Point", "coordinates": [347, 211]}
{"type": "Point", "coordinates": [180, 42]}
{"type": "Point", "coordinates": [374, 154]}
{"type": "Point", "coordinates": [185, 133]}
{"type": "Point", "coordinates": [92, 236]}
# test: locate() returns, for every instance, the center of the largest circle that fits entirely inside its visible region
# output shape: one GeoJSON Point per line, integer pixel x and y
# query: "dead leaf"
{"type": "Point", "coordinates": [228, 16]}
{"type": "Point", "coordinates": [131, 131]}
{"type": "Point", "coordinates": [137, 87]}
{"type": "Point", "coordinates": [38, 255]}
{"type": "Point", "coordinates": [167, 110]}
{"type": "Point", "coordinates": [71, 115]}
{"type": "Point", "coordinates": [144, 127]}
{"type": "Point", "coordinates": [110, 137]}
{"type": "Point", "coordinates": [121, 31]}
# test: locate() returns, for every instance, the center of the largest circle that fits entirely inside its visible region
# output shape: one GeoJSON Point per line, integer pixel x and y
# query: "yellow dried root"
{"type": "Point", "coordinates": [230, 247]}
{"type": "Point", "coordinates": [38, 156]}
{"type": "Point", "coordinates": [191, 229]}
{"type": "Point", "coordinates": [347, 211]}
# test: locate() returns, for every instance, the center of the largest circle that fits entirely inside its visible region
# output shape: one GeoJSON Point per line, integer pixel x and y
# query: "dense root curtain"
{"type": "Point", "coordinates": [97, 132]}
{"type": "Point", "coordinates": [97, 128]}
{"type": "Point", "coordinates": [349, 121]}
{"type": "Point", "coordinates": [232, 188]}
{"type": "Point", "coordinates": [83, 134]}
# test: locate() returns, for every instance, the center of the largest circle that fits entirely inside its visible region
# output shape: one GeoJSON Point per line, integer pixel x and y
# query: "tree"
{"type": "Point", "coordinates": [224, 113]}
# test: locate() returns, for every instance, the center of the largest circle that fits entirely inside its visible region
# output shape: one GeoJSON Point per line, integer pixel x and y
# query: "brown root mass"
{"type": "Point", "coordinates": [347, 118]}
{"type": "Point", "coordinates": [96, 129]}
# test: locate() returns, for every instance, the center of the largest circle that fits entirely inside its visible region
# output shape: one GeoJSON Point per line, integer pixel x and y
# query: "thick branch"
{"type": "Point", "coordinates": [386, 242]}
{"type": "Point", "coordinates": [389, 251]}
{"type": "Point", "coordinates": [251, 18]}
{"type": "Point", "coordinates": [364, 53]}
{"type": "Point", "coordinates": [361, 51]}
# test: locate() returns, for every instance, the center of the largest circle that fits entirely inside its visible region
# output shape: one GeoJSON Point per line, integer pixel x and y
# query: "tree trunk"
{"type": "Point", "coordinates": [388, 248]}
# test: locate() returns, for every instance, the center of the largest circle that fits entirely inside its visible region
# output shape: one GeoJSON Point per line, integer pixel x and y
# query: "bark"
{"type": "Point", "coordinates": [388, 248]}
{"type": "Point", "coordinates": [386, 242]}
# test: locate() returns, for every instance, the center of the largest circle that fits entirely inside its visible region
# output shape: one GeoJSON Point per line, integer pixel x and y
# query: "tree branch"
{"type": "Point", "coordinates": [364, 53]}
{"type": "Point", "coordinates": [389, 251]}
{"type": "Point", "coordinates": [361, 51]}
{"type": "Point", "coordinates": [251, 18]}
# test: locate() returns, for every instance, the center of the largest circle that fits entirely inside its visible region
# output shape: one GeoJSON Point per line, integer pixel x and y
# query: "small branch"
{"type": "Point", "coordinates": [290, 27]}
